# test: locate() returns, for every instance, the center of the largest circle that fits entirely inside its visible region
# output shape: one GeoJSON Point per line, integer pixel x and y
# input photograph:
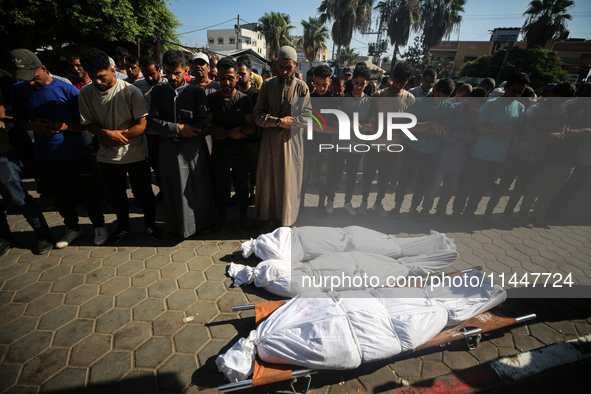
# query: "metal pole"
{"type": "Point", "coordinates": [237, 30]}
{"type": "Point", "coordinates": [248, 383]}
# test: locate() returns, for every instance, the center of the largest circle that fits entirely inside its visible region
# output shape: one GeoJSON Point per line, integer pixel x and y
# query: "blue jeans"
{"type": "Point", "coordinates": [12, 189]}
{"type": "Point", "coordinates": [239, 165]}
{"type": "Point", "coordinates": [450, 181]}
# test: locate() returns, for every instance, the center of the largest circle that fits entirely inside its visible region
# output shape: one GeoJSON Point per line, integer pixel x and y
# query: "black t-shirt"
{"type": "Point", "coordinates": [253, 93]}
{"type": "Point", "coordinates": [229, 114]}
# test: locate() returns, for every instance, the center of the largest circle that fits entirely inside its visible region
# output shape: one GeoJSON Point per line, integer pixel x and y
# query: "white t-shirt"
{"type": "Point", "coordinates": [115, 109]}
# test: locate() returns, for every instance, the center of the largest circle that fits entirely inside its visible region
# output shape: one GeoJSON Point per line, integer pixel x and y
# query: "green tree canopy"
{"type": "Point", "coordinates": [543, 66]}
{"type": "Point", "coordinates": [546, 20]}
{"type": "Point", "coordinates": [349, 55]}
{"type": "Point", "coordinates": [314, 39]}
{"type": "Point", "coordinates": [37, 23]}
{"type": "Point", "coordinates": [275, 26]}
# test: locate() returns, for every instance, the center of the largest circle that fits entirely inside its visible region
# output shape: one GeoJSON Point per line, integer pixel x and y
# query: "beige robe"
{"type": "Point", "coordinates": [281, 155]}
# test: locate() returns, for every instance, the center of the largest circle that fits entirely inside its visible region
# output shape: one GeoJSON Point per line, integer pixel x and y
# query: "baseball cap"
{"type": "Point", "coordinates": [202, 56]}
{"type": "Point", "coordinates": [347, 70]}
{"type": "Point", "coordinates": [25, 64]}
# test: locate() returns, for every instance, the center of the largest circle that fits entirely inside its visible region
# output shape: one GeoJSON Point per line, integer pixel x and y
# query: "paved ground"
{"type": "Point", "coordinates": [110, 319]}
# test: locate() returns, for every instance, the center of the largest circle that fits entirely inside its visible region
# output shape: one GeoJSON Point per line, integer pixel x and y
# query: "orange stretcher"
{"type": "Point", "coordinates": [471, 330]}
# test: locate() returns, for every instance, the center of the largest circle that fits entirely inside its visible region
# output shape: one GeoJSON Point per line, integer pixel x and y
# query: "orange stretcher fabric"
{"type": "Point", "coordinates": [265, 373]}
{"type": "Point", "coordinates": [264, 309]}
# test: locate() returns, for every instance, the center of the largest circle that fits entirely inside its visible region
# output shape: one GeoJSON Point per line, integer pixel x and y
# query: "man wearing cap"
{"type": "Point", "coordinates": [200, 68]}
{"type": "Point", "coordinates": [279, 175]}
{"type": "Point", "coordinates": [49, 107]}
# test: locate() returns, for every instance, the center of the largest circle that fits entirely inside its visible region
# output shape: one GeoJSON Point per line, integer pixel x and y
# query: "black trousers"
{"type": "Point", "coordinates": [477, 176]}
{"type": "Point", "coordinates": [68, 178]}
{"type": "Point", "coordinates": [413, 161]}
{"type": "Point", "coordinates": [140, 178]}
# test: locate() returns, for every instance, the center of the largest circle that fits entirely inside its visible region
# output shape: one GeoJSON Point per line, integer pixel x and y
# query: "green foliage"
{"type": "Point", "coordinates": [314, 39]}
{"type": "Point", "coordinates": [543, 66]}
{"type": "Point", "coordinates": [546, 21]}
{"type": "Point", "coordinates": [419, 57]}
{"type": "Point", "coordinates": [349, 55]}
{"type": "Point", "coordinates": [37, 23]}
{"type": "Point", "coordinates": [275, 26]}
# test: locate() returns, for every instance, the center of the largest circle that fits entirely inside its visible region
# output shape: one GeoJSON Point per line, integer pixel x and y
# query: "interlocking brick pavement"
{"type": "Point", "coordinates": [110, 319]}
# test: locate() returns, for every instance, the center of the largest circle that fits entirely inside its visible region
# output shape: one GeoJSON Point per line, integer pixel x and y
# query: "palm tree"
{"type": "Point", "coordinates": [348, 16]}
{"type": "Point", "coordinates": [439, 18]}
{"type": "Point", "coordinates": [275, 26]}
{"type": "Point", "coordinates": [546, 20]}
{"type": "Point", "coordinates": [349, 55]}
{"type": "Point", "coordinates": [314, 39]}
{"type": "Point", "coordinates": [398, 17]}
{"type": "Point", "coordinates": [434, 18]}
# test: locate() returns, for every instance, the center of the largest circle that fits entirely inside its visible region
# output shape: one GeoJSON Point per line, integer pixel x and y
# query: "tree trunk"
{"type": "Point", "coordinates": [339, 56]}
{"type": "Point", "coordinates": [394, 54]}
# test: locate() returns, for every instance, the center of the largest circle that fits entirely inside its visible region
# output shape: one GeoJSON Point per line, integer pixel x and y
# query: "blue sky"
{"type": "Point", "coordinates": [479, 16]}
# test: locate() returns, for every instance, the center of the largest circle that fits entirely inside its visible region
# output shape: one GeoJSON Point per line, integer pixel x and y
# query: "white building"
{"type": "Point", "coordinates": [226, 40]}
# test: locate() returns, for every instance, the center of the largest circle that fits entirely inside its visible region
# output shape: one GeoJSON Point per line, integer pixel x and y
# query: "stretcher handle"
{"type": "Point", "coordinates": [245, 384]}
{"type": "Point", "coordinates": [239, 308]}
{"type": "Point", "coordinates": [523, 318]}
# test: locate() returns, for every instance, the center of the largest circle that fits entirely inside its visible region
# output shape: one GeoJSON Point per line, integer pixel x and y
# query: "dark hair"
{"type": "Point", "coordinates": [430, 73]}
{"type": "Point", "coordinates": [361, 71]}
{"type": "Point", "coordinates": [445, 86]}
{"type": "Point", "coordinates": [322, 71]}
{"type": "Point", "coordinates": [401, 71]}
{"type": "Point", "coordinates": [310, 72]}
{"type": "Point", "coordinates": [254, 70]}
{"type": "Point", "coordinates": [120, 51]}
{"type": "Point", "coordinates": [520, 78]}
{"type": "Point", "coordinates": [528, 92]}
{"type": "Point", "coordinates": [133, 59]}
{"type": "Point", "coordinates": [147, 61]}
{"type": "Point", "coordinates": [227, 63]}
{"type": "Point", "coordinates": [173, 58]}
{"type": "Point", "coordinates": [479, 92]}
{"type": "Point", "coordinates": [465, 87]}
{"type": "Point", "coordinates": [385, 80]}
{"type": "Point", "coordinates": [361, 64]}
{"type": "Point", "coordinates": [244, 60]}
{"type": "Point", "coordinates": [94, 60]}
{"type": "Point", "coordinates": [337, 80]}
{"type": "Point", "coordinates": [564, 89]}
{"type": "Point", "coordinates": [74, 57]}
{"type": "Point", "coordinates": [266, 73]}
{"type": "Point", "coordinates": [488, 82]}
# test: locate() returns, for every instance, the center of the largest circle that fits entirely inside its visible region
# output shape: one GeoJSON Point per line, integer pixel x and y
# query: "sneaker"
{"type": "Point", "coordinates": [362, 210]}
{"type": "Point", "coordinates": [329, 207]}
{"type": "Point", "coordinates": [44, 244]}
{"type": "Point", "coordinates": [155, 233]}
{"type": "Point", "coordinates": [118, 235]}
{"type": "Point", "coordinates": [100, 236]}
{"type": "Point", "coordinates": [349, 209]}
{"type": "Point", "coordinates": [541, 222]}
{"type": "Point", "coordinates": [68, 238]}
{"type": "Point", "coordinates": [6, 244]}
{"type": "Point", "coordinates": [378, 207]}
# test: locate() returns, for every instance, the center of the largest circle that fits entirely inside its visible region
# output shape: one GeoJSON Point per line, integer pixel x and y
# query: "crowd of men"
{"type": "Point", "coordinates": [206, 124]}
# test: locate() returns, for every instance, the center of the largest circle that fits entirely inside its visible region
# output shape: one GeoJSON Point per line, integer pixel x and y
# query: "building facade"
{"type": "Point", "coordinates": [228, 39]}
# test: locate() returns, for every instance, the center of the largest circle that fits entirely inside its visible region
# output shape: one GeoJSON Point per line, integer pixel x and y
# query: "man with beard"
{"type": "Point", "coordinates": [79, 76]}
{"type": "Point", "coordinates": [279, 176]}
{"type": "Point", "coordinates": [178, 111]}
{"type": "Point", "coordinates": [152, 77]}
{"type": "Point", "coordinates": [115, 112]}
{"type": "Point", "coordinates": [200, 68]}
{"type": "Point", "coordinates": [245, 85]}
{"type": "Point", "coordinates": [231, 122]}
{"type": "Point", "coordinates": [132, 66]}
